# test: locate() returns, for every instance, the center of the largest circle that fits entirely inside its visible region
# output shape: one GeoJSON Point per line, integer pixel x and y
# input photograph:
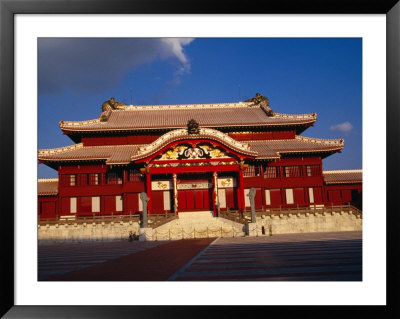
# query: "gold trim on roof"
{"type": "Point", "coordinates": [93, 125]}
{"type": "Point", "coordinates": [60, 149]}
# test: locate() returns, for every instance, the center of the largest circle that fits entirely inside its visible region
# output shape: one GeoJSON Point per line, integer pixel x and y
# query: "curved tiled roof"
{"type": "Point", "coordinates": [48, 186]}
{"type": "Point", "coordinates": [300, 144]}
{"type": "Point", "coordinates": [176, 116]}
{"type": "Point", "coordinates": [123, 154]}
{"type": "Point", "coordinates": [112, 154]}
{"type": "Point", "coordinates": [343, 176]}
{"type": "Point", "coordinates": [119, 154]}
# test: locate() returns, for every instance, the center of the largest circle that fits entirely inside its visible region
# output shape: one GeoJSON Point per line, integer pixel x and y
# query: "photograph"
{"type": "Point", "coordinates": [229, 159]}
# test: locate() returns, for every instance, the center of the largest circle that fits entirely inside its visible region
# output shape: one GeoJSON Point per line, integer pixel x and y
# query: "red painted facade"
{"type": "Point", "coordinates": [91, 186]}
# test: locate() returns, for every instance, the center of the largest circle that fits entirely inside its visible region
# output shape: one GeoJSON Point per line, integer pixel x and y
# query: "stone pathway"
{"type": "Point", "coordinates": [152, 264]}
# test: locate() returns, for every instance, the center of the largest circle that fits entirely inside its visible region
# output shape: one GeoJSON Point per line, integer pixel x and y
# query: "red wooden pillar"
{"type": "Point", "coordinates": [148, 191]}
{"type": "Point", "coordinates": [215, 192]}
{"type": "Point", "coordinates": [125, 176]}
{"type": "Point", "coordinates": [175, 189]}
{"type": "Point", "coordinates": [241, 191]}
{"type": "Point", "coordinates": [239, 202]}
{"type": "Point", "coordinates": [124, 197]}
{"type": "Point", "coordinates": [58, 201]}
{"type": "Point", "coordinates": [325, 194]}
{"type": "Point", "coordinates": [102, 205]}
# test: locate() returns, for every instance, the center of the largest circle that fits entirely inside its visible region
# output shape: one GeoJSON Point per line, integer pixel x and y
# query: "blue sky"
{"type": "Point", "coordinates": [298, 75]}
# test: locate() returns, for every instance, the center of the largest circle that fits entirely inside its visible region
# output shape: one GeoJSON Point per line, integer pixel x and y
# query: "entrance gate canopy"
{"type": "Point", "coordinates": [179, 153]}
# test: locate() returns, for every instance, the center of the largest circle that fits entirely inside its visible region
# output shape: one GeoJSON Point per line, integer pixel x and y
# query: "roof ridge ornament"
{"type": "Point", "coordinates": [263, 102]}
{"type": "Point", "coordinates": [111, 104]}
{"type": "Point", "coordinates": [193, 127]}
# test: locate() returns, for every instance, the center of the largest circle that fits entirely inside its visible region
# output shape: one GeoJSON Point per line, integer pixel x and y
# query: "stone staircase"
{"type": "Point", "coordinates": [199, 224]}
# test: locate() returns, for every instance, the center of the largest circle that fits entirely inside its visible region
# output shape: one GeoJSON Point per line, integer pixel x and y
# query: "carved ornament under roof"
{"type": "Point", "coordinates": [187, 152]}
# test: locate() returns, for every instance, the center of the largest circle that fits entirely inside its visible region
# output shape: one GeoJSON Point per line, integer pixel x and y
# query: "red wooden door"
{"type": "Point", "coordinates": [207, 198]}
{"type": "Point", "coordinates": [258, 199]}
{"type": "Point", "coordinates": [275, 195]}
{"type": "Point", "coordinates": [189, 199]}
{"type": "Point", "coordinates": [318, 195]}
{"type": "Point", "coordinates": [299, 196]}
{"type": "Point", "coordinates": [346, 196]}
{"type": "Point", "coordinates": [85, 205]}
{"type": "Point", "coordinates": [65, 205]}
{"type": "Point", "coordinates": [48, 209]}
{"type": "Point", "coordinates": [132, 203]}
{"type": "Point", "coordinates": [199, 198]}
{"type": "Point", "coordinates": [334, 196]}
{"type": "Point", "coordinates": [231, 199]}
{"type": "Point", "coordinates": [109, 204]}
{"type": "Point", "coordinates": [157, 199]}
{"type": "Point", "coordinates": [194, 199]}
{"type": "Point", "coordinates": [181, 200]}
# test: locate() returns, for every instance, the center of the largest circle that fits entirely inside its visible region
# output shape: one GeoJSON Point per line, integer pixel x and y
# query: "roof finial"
{"type": "Point", "coordinates": [193, 127]}
{"type": "Point", "coordinates": [111, 104]}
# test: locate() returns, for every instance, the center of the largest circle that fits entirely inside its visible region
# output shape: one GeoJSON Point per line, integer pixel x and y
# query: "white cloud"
{"type": "Point", "coordinates": [175, 47]}
{"type": "Point", "coordinates": [345, 127]}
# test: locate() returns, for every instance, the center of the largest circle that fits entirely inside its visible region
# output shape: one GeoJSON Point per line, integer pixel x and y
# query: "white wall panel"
{"type": "Point", "coordinates": [119, 203]}
{"type": "Point", "coordinates": [311, 194]}
{"type": "Point", "coordinates": [246, 198]}
{"type": "Point", "coordinates": [222, 198]}
{"type": "Point", "coordinates": [267, 197]}
{"type": "Point", "coordinates": [72, 205]}
{"type": "Point", "coordinates": [167, 200]}
{"type": "Point", "coordinates": [96, 204]}
{"type": "Point", "coordinates": [289, 196]}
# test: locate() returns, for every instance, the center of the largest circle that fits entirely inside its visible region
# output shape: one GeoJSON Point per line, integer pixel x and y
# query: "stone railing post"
{"type": "Point", "coordinates": [144, 198]}
{"type": "Point", "coordinates": [251, 195]}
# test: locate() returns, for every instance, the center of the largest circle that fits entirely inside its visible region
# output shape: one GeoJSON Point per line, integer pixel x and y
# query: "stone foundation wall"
{"type": "Point", "coordinates": [220, 227]}
{"type": "Point", "coordinates": [59, 233]}
{"type": "Point", "coordinates": [308, 223]}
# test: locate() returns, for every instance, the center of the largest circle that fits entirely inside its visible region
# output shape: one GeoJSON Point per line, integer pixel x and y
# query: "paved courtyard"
{"type": "Point", "coordinates": [59, 259]}
{"type": "Point", "coordinates": [299, 257]}
{"type": "Point", "coordinates": [289, 257]}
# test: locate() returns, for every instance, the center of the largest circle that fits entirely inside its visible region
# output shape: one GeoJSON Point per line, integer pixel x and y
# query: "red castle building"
{"type": "Point", "coordinates": [191, 157]}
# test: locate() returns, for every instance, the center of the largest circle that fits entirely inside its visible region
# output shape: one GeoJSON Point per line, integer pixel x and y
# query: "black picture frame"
{"type": "Point", "coordinates": [8, 10]}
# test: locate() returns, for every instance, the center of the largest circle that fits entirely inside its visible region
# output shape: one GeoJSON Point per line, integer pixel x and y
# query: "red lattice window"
{"type": "Point", "coordinates": [68, 180]}
{"type": "Point", "coordinates": [252, 170]}
{"type": "Point", "coordinates": [292, 171]}
{"type": "Point", "coordinates": [135, 175]}
{"type": "Point", "coordinates": [271, 172]}
{"type": "Point", "coordinates": [83, 179]}
{"type": "Point", "coordinates": [313, 170]}
{"type": "Point", "coordinates": [114, 178]}
{"type": "Point", "coordinates": [94, 179]}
